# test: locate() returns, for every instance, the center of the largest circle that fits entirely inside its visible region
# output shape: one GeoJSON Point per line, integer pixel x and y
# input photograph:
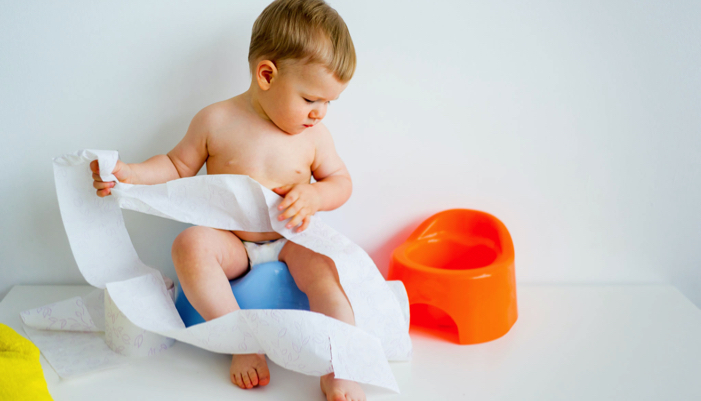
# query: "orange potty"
{"type": "Point", "coordinates": [462, 262]}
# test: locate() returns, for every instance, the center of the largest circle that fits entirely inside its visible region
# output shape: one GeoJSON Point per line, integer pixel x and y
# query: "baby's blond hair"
{"type": "Point", "coordinates": [305, 30]}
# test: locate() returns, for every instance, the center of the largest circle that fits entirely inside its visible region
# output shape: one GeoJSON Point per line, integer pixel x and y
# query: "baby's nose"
{"type": "Point", "coordinates": [317, 114]}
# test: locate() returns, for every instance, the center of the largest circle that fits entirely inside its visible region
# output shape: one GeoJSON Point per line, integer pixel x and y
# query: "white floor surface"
{"type": "Point", "coordinates": [571, 342]}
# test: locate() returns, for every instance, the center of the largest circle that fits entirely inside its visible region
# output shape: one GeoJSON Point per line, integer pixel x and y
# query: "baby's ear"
{"type": "Point", "coordinates": [266, 72]}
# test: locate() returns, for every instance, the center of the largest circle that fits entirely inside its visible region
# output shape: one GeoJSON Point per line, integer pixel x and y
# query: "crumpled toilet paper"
{"type": "Point", "coordinates": [303, 341]}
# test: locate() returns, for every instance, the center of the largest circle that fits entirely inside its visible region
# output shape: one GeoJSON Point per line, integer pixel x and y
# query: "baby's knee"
{"type": "Point", "coordinates": [321, 276]}
{"type": "Point", "coordinates": [191, 243]}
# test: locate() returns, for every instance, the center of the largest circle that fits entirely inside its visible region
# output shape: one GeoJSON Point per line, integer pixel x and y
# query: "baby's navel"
{"type": "Point", "coordinates": [298, 172]}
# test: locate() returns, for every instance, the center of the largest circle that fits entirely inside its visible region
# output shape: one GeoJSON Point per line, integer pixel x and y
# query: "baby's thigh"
{"type": "Point", "coordinates": [309, 269]}
{"type": "Point", "coordinates": [198, 248]}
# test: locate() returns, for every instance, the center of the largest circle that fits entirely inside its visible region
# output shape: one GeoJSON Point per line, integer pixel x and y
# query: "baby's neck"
{"type": "Point", "coordinates": [251, 98]}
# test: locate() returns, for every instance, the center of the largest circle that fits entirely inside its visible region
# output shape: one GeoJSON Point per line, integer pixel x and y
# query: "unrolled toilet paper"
{"type": "Point", "coordinates": [303, 341]}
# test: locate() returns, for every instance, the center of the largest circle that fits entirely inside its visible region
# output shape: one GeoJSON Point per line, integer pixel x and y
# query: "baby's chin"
{"type": "Point", "coordinates": [289, 129]}
{"type": "Point", "coordinates": [294, 131]}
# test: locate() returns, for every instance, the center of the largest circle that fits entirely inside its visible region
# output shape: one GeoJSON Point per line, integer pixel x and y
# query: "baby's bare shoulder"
{"type": "Point", "coordinates": [219, 114]}
{"type": "Point", "coordinates": [326, 158]}
{"type": "Point", "coordinates": [200, 140]}
{"type": "Point", "coordinates": [219, 122]}
{"type": "Point", "coordinates": [321, 136]}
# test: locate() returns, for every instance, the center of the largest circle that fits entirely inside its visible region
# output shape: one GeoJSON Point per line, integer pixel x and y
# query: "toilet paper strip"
{"type": "Point", "coordinates": [303, 341]}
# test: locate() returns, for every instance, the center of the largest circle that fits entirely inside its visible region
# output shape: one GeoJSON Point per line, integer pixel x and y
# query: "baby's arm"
{"type": "Point", "coordinates": [185, 160]}
{"type": "Point", "coordinates": [333, 182]}
{"type": "Point", "coordinates": [332, 188]}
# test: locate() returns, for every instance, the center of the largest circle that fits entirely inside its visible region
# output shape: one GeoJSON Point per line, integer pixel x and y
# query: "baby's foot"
{"type": "Point", "coordinates": [341, 390]}
{"type": "Point", "coordinates": [249, 370]}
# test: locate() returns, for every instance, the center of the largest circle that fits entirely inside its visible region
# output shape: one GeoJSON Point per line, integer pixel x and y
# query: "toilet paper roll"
{"type": "Point", "coordinates": [125, 338]}
{"type": "Point", "coordinates": [74, 334]}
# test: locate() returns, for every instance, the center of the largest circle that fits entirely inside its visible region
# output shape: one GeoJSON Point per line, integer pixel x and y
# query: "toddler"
{"type": "Point", "coordinates": [301, 58]}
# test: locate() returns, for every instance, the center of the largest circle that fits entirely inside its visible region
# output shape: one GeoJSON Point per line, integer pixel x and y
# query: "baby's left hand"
{"type": "Point", "coordinates": [301, 202]}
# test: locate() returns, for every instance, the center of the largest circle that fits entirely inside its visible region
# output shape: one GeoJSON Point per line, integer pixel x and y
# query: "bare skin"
{"type": "Point", "coordinates": [272, 133]}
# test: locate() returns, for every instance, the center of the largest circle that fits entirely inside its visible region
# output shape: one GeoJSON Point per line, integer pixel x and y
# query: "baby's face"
{"type": "Point", "coordinates": [299, 96]}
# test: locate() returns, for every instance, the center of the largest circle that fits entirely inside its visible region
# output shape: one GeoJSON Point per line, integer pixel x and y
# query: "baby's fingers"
{"type": "Point", "coordinates": [305, 224]}
{"type": "Point", "coordinates": [94, 167]}
{"type": "Point", "coordinates": [297, 219]}
{"type": "Point", "coordinates": [291, 211]}
{"type": "Point", "coordinates": [102, 185]}
{"type": "Point", "coordinates": [290, 198]}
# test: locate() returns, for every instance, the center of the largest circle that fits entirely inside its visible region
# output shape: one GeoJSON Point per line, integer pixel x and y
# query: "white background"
{"type": "Point", "coordinates": [577, 124]}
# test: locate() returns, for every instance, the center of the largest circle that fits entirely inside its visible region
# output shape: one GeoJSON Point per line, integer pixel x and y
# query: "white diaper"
{"type": "Point", "coordinates": [264, 251]}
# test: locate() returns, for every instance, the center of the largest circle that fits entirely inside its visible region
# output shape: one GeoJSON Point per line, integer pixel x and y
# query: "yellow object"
{"type": "Point", "coordinates": [21, 376]}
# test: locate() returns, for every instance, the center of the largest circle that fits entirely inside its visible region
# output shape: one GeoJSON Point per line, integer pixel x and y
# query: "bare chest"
{"type": "Point", "coordinates": [269, 156]}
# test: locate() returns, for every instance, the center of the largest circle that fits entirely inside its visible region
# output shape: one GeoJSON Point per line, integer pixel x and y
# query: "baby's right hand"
{"type": "Point", "coordinates": [122, 171]}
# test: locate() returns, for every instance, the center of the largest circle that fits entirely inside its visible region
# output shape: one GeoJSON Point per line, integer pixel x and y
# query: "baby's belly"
{"type": "Point", "coordinates": [269, 179]}
{"type": "Point", "coordinates": [255, 236]}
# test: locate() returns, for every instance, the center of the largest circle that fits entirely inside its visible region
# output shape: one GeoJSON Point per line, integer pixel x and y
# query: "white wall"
{"type": "Point", "coordinates": [575, 123]}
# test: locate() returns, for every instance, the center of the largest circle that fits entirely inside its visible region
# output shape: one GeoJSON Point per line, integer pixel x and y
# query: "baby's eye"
{"type": "Point", "coordinates": [312, 101]}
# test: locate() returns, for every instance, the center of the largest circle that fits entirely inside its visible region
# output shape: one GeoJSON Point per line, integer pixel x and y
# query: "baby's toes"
{"type": "Point", "coordinates": [339, 396]}
{"type": "Point", "coordinates": [253, 376]}
{"type": "Point", "coordinates": [236, 379]}
{"type": "Point", "coordinates": [263, 375]}
{"type": "Point", "coordinates": [246, 380]}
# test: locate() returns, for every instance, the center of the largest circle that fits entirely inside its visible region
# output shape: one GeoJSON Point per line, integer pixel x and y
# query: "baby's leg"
{"type": "Point", "coordinates": [205, 260]}
{"type": "Point", "coordinates": [316, 276]}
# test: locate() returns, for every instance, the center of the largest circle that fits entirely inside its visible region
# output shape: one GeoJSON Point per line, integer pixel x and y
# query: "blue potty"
{"type": "Point", "coordinates": [267, 286]}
